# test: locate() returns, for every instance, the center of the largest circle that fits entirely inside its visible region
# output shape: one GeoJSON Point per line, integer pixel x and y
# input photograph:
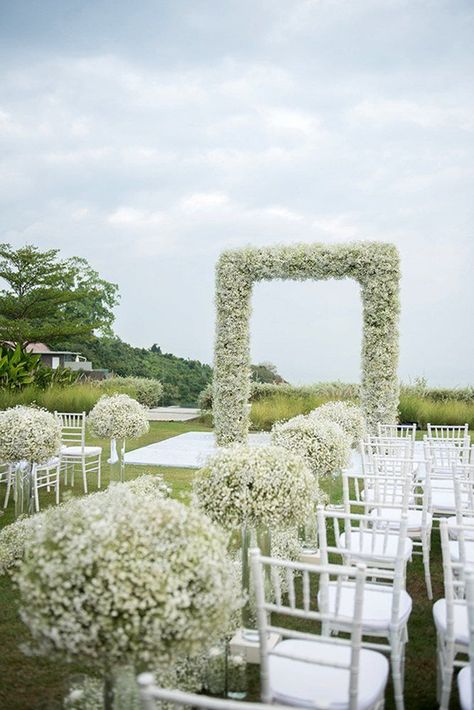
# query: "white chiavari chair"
{"type": "Point", "coordinates": [387, 606]}
{"type": "Point", "coordinates": [390, 497]}
{"type": "Point", "coordinates": [465, 677]}
{"type": "Point", "coordinates": [74, 450]}
{"type": "Point", "coordinates": [450, 614]}
{"type": "Point", "coordinates": [152, 696]}
{"type": "Point", "coordinates": [311, 669]}
{"type": "Point", "coordinates": [45, 475]}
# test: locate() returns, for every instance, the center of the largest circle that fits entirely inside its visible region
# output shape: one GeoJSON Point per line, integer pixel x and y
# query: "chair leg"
{"type": "Point", "coordinates": [396, 662]}
{"type": "Point", "coordinates": [445, 673]}
{"type": "Point", "coordinates": [426, 565]}
{"type": "Point", "coordinates": [84, 476]}
{"type": "Point", "coordinates": [99, 471]}
{"type": "Point", "coordinates": [57, 488]}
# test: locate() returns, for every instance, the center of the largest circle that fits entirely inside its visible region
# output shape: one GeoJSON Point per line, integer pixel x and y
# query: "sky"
{"type": "Point", "coordinates": [149, 137]}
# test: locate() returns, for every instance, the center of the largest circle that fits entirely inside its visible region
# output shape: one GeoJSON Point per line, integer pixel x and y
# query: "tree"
{"type": "Point", "coordinates": [46, 299]}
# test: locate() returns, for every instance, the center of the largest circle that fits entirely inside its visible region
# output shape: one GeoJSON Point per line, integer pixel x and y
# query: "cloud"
{"type": "Point", "coordinates": [148, 142]}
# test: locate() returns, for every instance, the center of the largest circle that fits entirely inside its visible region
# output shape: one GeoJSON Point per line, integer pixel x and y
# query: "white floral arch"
{"type": "Point", "coordinates": [374, 265]}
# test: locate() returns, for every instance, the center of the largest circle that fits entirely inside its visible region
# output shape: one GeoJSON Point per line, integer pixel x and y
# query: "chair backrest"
{"type": "Point", "coordinates": [463, 482]}
{"type": "Point", "coordinates": [375, 448]}
{"type": "Point", "coordinates": [445, 432]}
{"type": "Point", "coordinates": [397, 431]}
{"type": "Point", "coordinates": [453, 571]}
{"type": "Point", "coordinates": [377, 541]}
{"type": "Point", "coordinates": [150, 693]}
{"type": "Point", "coordinates": [73, 428]}
{"type": "Point", "coordinates": [443, 453]}
{"type": "Point", "coordinates": [393, 569]}
{"type": "Point", "coordinates": [270, 599]}
{"type": "Point", "coordinates": [376, 490]}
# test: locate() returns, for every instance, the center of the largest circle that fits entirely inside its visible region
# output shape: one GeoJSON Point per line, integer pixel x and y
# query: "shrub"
{"type": "Point", "coordinates": [349, 417]}
{"type": "Point", "coordinates": [323, 444]}
{"type": "Point", "coordinates": [28, 434]}
{"type": "Point", "coordinates": [145, 390]}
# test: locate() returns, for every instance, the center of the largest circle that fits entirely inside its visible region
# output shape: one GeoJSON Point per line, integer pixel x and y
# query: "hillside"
{"type": "Point", "coordinates": [182, 379]}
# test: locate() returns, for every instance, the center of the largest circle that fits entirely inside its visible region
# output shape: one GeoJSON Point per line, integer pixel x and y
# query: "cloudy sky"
{"type": "Point", "coordinates": [150, 136]}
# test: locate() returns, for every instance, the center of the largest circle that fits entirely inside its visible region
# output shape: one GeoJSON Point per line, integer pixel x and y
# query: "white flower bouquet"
{"type": "Point", "coordinates": [119, 577]}
{"type": "Point", "coordinates": [256, 486]}
{"type": "Point", "coordinates": [323, 444]}
{"type": "Point", "coordinates": [28, 435]}
{"type": "Point", "coordinates": [349, 416]}
{"type": "Point", "coordinates": [118, 417]}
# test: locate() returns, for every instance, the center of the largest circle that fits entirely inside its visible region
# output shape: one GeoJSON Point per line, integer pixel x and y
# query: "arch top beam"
{"type": "Point", "coordinates": [374, 265]}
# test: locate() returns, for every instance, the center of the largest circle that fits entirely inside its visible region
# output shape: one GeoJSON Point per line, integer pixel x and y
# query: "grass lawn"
{"type": "Point", "coordinates": [38, 683]}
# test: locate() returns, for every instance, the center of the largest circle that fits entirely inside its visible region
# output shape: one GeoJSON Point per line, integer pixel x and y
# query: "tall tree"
{"type": "Point", "coordinates": [47, 299]}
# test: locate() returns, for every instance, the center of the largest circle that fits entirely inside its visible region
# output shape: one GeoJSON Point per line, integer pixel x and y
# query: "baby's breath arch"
{"type": "Point", "coordinates": [374, 265]}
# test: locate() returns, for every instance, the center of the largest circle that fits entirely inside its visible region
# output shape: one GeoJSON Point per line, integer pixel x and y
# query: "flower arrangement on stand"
{"type": "Point", "coordinates": [252, 490]}
{"type": "Point", "coordinates": [149, 577]}
{"type": "Point", "coordinates": [118, 417]}
{"type": "Point", "coordinates": [326, 449]}
{"type": "Point", "coordinates": [28, 436]}
{"type": "Point", "coordinates": [348, 415]}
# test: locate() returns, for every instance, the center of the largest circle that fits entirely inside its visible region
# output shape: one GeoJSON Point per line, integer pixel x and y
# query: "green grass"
{"type": "Point", "coordinates": [423, 411]}
{"type": "Point", "coordinates": [74, 398]}
{"type": "Point", "coordinates": [28, 683]}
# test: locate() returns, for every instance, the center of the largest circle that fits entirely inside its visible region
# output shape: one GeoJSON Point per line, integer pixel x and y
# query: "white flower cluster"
{"type": "Point", "coordinates": [349, 417]}
{"type": "Point", "coordinates": [375, 265]}
{"type": "Point", "coordinates": [257, 486]}
{"type": "Point", "coordinates": [118, 417]}
{"type": "Point", "coordinates": [28, 434]}
{"type": "Point", "coordinates": [124, 578]}
{"type": "Point", "coordinates": [13, 537]}
{"type": "Point", "coordinates": [322, 443]}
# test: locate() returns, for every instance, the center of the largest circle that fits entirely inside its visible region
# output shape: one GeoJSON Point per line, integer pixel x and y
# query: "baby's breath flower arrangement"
{"type": "Point", "coordinates": [376, 268]}
{"type": "Point", "coordinates": [261, 486]}
{"type": "Point", "coordinates": [323, 444]}
{"type": "Point", "coordinates": [28, 435]}
{"type": "Point", "coordinates": [256, 489]}
{"type": "Point", "coordinates": [121, 578]}
{"type": "Point", "coordinates": [13, 537]}
{"type": "Point", "coordinates": [118, 417]}
{"type": "Point", "coordinates": [349, 416]}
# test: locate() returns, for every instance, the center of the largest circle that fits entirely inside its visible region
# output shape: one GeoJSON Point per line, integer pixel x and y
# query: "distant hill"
{"type": "Point", "coordinates": [182, 379]}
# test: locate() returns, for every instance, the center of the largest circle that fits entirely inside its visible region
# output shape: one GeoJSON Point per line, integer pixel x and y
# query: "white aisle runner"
{"type": "Point", "coordinates": [184, 451]}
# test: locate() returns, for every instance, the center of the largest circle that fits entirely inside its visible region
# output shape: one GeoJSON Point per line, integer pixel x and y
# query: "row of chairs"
{"type": "Point", "coordinates": [73, 453]}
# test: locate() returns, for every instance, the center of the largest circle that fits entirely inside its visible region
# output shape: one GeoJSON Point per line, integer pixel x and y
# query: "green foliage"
{"type": "Point", "coordinates": [60, 377]}
{"type": "Point", "coordinates": [265, 372]}
{"type": "Point", "coordinates": [45, 299]}
{"type": "Point", "coordinates": [17, 368]}
{"type": "Point", "coordinates": [182, 380]}
{"type": "Point", "coordinates": [145, 390]}
{"type": "Point", "coordinates": [423, 410]}
{"type": "Point", "coordinates": [75, 398]}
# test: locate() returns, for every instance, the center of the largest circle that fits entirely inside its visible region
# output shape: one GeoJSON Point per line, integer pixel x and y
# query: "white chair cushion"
{"type": "Point", "coordinates": [465, 688]}
{"type": "Point", "coordinates": [304, 684]}
{"type": "Point", "coordinates": [363, 545]}
{"type": "Point", "coordinates": [443, 500]}
{"type": "Point", "coordinates": [468, 550]}
{"type": "Point", "coordinates": [52, 463]}
{"type": "Point", "coordinates": [77, 450]}
{"type": "Point", "coordinates": [414, 517]}
{"type": "Point", "coordinates": [453, 534]}
{"type": "Point", "coordinates": [377, 606]}
{"type": "Point", "coordinates": [461, 631]}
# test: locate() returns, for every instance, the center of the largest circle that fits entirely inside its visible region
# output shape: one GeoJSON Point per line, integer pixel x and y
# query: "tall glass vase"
{"type": "Point", "coordinates": [117, 461]}
{"type": "Point", "coordinates": [250, 538]}
{"type": "Point", "coordinates": [23, 488]}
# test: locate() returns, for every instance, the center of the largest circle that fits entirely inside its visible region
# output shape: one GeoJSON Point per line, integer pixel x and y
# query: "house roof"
{"type": "Point", "coordinates": [42, 349]}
